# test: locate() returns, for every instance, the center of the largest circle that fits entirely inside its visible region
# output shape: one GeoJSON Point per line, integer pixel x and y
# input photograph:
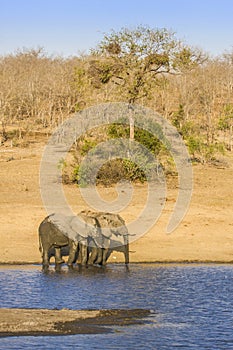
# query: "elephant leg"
{"type": "Point", "coordinates": [83, 250]}
{"type": "Point", "coordinates": [126, 252]}
{"type": "Point", "coordinates": [44, 249]}
{"type": "Point", "coordinates": [96, 256]}
{"type": "Point", "coordinates": [126, 249]}
{"type": "Point", "coordinates": [45, 258]}
{"type": "Point", "coordinates": [84, 253]}
{"type": "Point", "coordinates": [93, 256]}
{"type": "Point", "coordinates": [58, 258]}
{"type": "Point", "coordinates": [105, 256]}
{"type": "Point", "coordinates": [99, 258]}
{"type": "Point", "coordinates": [72, 253]}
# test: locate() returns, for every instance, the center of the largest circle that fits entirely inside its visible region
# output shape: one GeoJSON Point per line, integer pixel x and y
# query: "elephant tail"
{"type": "Point", "coordinates": [40, 245]}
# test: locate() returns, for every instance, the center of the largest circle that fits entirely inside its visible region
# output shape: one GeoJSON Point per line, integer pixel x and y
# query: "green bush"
{"type": "Point", "coordinates": [203, 152]}
{"type": "Point", "coordinates": [109, 173]}
{"type": "Point", "coordinates": [144, 137]}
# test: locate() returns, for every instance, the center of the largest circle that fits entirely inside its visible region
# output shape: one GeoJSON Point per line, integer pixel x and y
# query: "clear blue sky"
{"type": "Point", "coordinates": [67, 27]}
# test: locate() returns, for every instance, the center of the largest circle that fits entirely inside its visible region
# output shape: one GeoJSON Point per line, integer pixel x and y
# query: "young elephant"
{"type": "Point", "coordinates": [57, 231]}
{"type": "Point", "coordinates": [114, 236]}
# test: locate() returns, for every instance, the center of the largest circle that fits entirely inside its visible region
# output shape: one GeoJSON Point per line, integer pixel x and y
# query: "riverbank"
{"type": "Point", "coordinates": [38, 322]}
{"type": "Point", "coordinates": [204, 235]}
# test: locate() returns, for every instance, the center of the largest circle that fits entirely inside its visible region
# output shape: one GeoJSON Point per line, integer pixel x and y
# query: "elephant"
{"type": "Point", "coordinates": [57, 231]}
{"type": "Point", "coordinates": [115, 236]}
{"type": "Point", "coordinates": [101, 234]}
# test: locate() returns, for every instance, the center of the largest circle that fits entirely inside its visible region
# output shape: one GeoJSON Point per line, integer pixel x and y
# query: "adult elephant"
{"type": "Point", "coordinates": [57, 231]}
{"type": "Point", "coordinates": [114, 236]}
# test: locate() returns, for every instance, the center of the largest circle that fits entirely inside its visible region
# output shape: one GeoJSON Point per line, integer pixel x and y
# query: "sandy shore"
{"type": "Point", "coordinates": [205, 234]}
{"type": "Point", "coordinates": [37, 322]}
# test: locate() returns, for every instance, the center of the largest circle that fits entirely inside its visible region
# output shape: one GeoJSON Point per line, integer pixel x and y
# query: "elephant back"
{"type": "Point", "coordinates": [110, 223]}
{"type": "Point", "coordinates": [63, 224]}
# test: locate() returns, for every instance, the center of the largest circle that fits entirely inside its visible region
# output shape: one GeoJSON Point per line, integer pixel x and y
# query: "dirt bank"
{"type": "Point", "coordinates": [205, 234]}
{"type": "Point", "coordinates": [22, 322]}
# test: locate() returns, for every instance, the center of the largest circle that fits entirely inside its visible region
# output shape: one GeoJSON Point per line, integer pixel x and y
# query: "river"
{"type": "Point", "coordinates": [191, 304]}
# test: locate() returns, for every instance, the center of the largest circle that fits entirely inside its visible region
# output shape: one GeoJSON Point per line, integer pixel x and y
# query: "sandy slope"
{"type": "Point", "coordinates": [206, 233]}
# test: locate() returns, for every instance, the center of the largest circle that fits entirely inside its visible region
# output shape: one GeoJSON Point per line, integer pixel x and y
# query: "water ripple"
{"type": "Point", "coordinates": [192, 304]}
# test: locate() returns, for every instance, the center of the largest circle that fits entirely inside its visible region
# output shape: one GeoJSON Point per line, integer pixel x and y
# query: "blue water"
{"type": "Point", "coordinates": [192, 305]}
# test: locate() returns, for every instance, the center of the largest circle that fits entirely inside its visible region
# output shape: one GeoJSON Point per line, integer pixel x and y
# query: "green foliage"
{"type": "Point", "coordinates": [144, 137]}
{"type": "Point", "coordinates": [198, 147]}
{"type": "Point", "coordinates": [226, 120]}
{"type": "Point", "coordinates": [134, 57]}
{"type": "Point", "coordinates": [117, 130]}
{"type": "Point", "coordinates": [178, 117]}
{"type": "Point", "coordinates": [120, 169]}
{"type": "Point", "coordinates": [133, 171]}
{"type": "Point", "coordinates": [110, 172]}
{"type": "Point", "coordinates": [188, 59]}
{"type": "Point", "coordinates": [87, 146]}
{"type": "Point", "coordinates": [138, 166]}
{"type": "Point", "coordinates": [82, 175]}
{"type": "Point", "coordinates": [185, 127]}
{"type": "Point", "coordinates": [194, 145]}
{"type": "Point", "coordinates": [80, 74]}
{"type": "Point", "coordinates": [223, 123]}
{"type": "Point", "coordinates": [62, 164]}
{"type": "Point", "coordinates": [203, 152]}
{"type": "Point", "coordinates": [38, 92]}
{"type": "Point", "coordinates": [100, 71]}
{"type": "Point", "coordinates": [139, 42]}
{"type": "Point", "coordinates": [188, 129]}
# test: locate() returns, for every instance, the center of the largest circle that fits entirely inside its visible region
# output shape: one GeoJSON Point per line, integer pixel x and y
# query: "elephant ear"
{"type": "Point", "coordinates": [62, 222]}
{"type": "Point", "coordinates": [106, 232]}
{"type": "Point", "coordinates": [102, 242]}
{"type": "Point", "coordinates": [112, 224]}
{"type": "Point", "coordinates": [122, 231]}
{"type": "Point", "coordinates": [103, 223]}
{"type": "Point", "coordinates": [79, 226]}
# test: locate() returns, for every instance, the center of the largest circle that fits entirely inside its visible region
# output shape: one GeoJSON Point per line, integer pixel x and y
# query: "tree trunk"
{"type": "Point", "coordinates": [131, 123]}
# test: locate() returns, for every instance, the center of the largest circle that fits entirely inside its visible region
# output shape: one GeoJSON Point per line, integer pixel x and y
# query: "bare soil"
{"type": "Point", "coordinates": [204, 235]}
{"type": "Point", "coordinates": [37, 322]}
